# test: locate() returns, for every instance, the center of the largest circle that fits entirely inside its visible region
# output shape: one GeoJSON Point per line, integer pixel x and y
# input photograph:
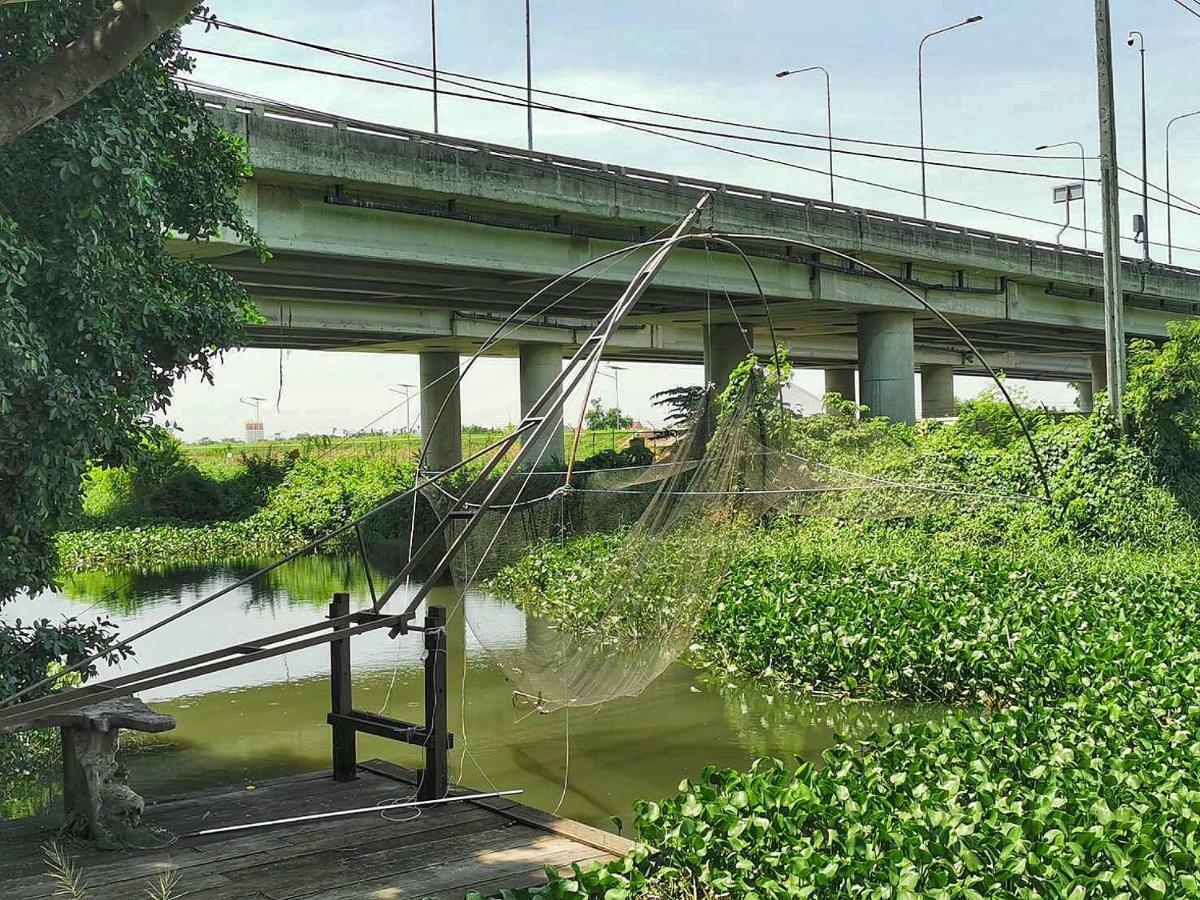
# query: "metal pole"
{"type": "Point", "coordinates": [828, 111]}
{"type": "Point", "coordinates": [1141, 38]}
{"type": "Point", "coordinates": [921, 101]}
{"type": "Point", "coordinates": [1114, 309]}
{"type": "Point", "coordinates": [529, 70]}
{"type": "Point", "coordinates": [1083, 181]}
{"type": "Point", "coordinates": [433, 45]}
{"type": "Point", "coordinates": [1170, 255]}
{"type": "Point", "coordinates": [1082, 178]}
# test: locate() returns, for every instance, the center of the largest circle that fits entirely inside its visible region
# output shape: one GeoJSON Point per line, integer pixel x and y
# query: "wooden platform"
{"type": "Point", "coordinates": [474, 845]}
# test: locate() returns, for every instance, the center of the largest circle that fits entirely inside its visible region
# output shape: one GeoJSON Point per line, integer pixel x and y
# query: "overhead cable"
{"type": "Point", "coordinates": [300, 111]}
{"type": "Point", "coordinates": [496, 97]}
{"type": "Point", "coordinates": [426, 71]}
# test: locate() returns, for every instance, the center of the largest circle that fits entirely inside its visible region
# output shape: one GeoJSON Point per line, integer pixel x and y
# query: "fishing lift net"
{"type": "Point", "coordinates": [658, 539]}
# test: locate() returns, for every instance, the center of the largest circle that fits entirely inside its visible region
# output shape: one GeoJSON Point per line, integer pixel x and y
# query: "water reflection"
{"type": "Point", "coordinates": [267, 718]}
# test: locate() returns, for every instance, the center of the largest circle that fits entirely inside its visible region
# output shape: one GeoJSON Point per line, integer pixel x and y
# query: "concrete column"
{"type": "Point", "coordinates": [886, 362]}
{"type": "Point", "coordinates": [1099, 373]}
{"type": "Point", "coordinates": [937, 392]}
{"type": "Point", "coordinates": [725, 346]}
{"type": "Point", "coordinates": [540, 365]}
{"type": "Point", "coordinates": [1087, 395]}
{"type": "Point", "coordinates": [439, 384]}
{"type": "Point", "coordinates": [841, 381]}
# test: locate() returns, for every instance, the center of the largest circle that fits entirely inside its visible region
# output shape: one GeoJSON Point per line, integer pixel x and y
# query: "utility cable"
{"type": "Point", "coordinates": [650, 130]}
{"type": "Point", "coordinates": [426, 71]}
{"type": "Point", "coordinates": [636, 124]}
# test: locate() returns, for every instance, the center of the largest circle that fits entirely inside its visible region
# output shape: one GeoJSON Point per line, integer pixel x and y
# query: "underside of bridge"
{"type": "Point", "coordinates": [386, 240]}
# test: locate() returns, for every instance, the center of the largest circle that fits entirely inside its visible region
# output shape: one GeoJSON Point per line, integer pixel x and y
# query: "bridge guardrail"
{"type": "Point", "coordinates": [247, 105]}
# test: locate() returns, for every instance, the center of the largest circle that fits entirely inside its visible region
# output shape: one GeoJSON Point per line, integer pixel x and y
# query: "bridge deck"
{"type": "Point", "coordinates": [481, 845]}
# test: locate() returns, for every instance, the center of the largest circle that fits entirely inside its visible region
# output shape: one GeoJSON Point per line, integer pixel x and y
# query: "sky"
{"type": "Point", "coordinates": [1022, 77]}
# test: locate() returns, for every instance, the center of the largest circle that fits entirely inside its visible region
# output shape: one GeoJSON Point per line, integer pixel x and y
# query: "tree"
{"type": "Point", "coordinates": [70, 73]}
{"type": "Point", "coordinates": [97, 320]}
{"type": "Point", "coordinates": [601, 419]}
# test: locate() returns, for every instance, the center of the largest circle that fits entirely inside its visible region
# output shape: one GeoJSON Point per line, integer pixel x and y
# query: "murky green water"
{"type": "Point", "coordinates": [268, 718]}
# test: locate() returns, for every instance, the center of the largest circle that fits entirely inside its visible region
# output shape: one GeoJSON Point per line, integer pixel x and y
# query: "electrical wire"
{"type": "Point", "coordinates": [1187, 8]}
{"type": "Point", "coordinates": [635, 124]}
{"type": "Point", "coordinates": [426, 71]}
{"type": "Point", "coordinates": [649, 130]}
{"type": "Point", "coordinates": [299, 111]}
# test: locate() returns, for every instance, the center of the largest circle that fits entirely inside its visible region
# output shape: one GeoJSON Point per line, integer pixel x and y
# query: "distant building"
{"type": "Point", "coordinates": [254, 432]}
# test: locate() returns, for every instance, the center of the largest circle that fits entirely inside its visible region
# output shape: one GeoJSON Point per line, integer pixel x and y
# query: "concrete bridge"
{"type": "Point", "coordinates": [391, 240]}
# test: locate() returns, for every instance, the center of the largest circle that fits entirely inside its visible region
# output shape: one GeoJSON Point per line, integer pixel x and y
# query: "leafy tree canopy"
{"type": "Point", "coordinates": [1163, 400]}
{"type": "Point", "coordinates": [600, 418]}
{"type": "Point", "coordinates": [97, 320]}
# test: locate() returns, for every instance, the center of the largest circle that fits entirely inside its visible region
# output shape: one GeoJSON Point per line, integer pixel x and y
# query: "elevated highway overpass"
{"type": "Point", "coordinates": [392, 240]}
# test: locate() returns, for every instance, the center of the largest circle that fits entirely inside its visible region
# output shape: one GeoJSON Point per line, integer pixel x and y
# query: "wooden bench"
{"type": "Point", "coordinates": [97, 801]}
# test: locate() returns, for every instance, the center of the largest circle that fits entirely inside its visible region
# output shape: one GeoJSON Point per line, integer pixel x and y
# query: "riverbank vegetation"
{"type": "Point", "coordinates": [1063, 630]}
{"type": "Point", "coordinates": [189, 504]}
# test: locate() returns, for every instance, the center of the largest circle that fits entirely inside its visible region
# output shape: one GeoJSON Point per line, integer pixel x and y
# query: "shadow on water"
{"type": "Point", "coordinates": [268, 718]}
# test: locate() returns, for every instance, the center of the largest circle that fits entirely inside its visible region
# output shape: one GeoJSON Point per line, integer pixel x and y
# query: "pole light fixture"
{"type": "Point", "coordinates": [828, 111]}
{"type": "Point", "coordinates": [433, 53]}
{"type": "Point", "coordinates": [1170, 254]}
{"type": "Point", "coordinates": [971, 20]}
{"type": "Point", "coordinates": [529, 69]}
{"type": "Point", "coordinates": [407, 392]}
{"type": "Point", "coordinates": [1082, 178]}
{"type": "Point", "coordinates": [1065, 194]}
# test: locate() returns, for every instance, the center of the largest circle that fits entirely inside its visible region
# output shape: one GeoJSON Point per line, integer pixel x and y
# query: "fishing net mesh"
{"type": "Point", "coordinates": [634, 608]}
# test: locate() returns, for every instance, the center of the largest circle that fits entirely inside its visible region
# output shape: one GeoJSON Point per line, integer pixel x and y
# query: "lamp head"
{"type": "Point", "coordinates": [975, 19]}
{"type": "Point", "coordinates": [1129, 40]}
{"type": "Point", "coordinates": [782, 74]}
{"type": "Point", "coordinates": [1042, 147]}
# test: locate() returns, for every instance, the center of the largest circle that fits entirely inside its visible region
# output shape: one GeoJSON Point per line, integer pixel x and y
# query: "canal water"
{"type": "Point", "coordinates": [268, 718]}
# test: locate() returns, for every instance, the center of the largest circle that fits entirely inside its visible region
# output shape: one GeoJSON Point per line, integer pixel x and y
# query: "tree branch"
{"type": "Point", "coordinates": [73, 72]}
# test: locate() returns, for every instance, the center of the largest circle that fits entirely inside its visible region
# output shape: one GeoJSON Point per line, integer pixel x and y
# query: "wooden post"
{"type": "Point", "coordinates": [345, 739]}
{"type": "Point", "coordinates": [435, 779]}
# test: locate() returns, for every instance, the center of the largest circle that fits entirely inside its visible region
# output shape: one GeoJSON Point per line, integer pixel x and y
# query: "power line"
{"type": "Point", "coordinates": [425, 71]}
{"type": "Point", "coordinates": [506, 100]}
{"type": "Point", "coordinates": [645, 129]}
{"type": "Point", "coordinates": [648, 130]}
{"type": "Point", "coordinates": [1187, 8]}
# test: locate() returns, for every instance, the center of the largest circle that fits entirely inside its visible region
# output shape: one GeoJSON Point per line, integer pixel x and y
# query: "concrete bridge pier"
{"type": "Point", "coordinates": [937, 391]}
{"type": "Point", "coordinates": [540, 365]}
{"type": "Point", "coordinates": [1099, 373]}
{"type": "Point", "coordinates": [841, 381]}
{"type": "Point", "coordinates": [439, 384]}
{"type": "Point", "coordinates": [886, 362]}
{"type": "Point", "coordinates": [725, 346]}
{"type": "Point", "coordinates": [1087, 396]}
{"type": "Point", "coordinates": [1099, 383]}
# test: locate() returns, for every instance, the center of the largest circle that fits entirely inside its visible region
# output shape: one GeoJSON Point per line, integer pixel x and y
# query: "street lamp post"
{"type": "Point", "coordinates": [1170, 257]}
{"type": "Point", "coordinates": [529, 70]}
{"type": "Point", "coordinates": [433, 50]}
{"type": "Point", "coordinates": [921, 100]}
{"type": "Point", "coordinates": [828, 111]}
{"type": "Point", "coordinates": [616, 377]}
{"type": "Point", "coordinates": [407, 398]}
{"type": "Point", "coordinates": [1140, 39]}
{"type": "Point", "coordinates": [1082, 178]}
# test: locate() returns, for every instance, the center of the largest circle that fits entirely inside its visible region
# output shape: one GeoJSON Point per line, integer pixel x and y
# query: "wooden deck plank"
{"type": "Point", "coordinates": [254, 849]}
{"type": "Point", "coordinates": [529, 877]}
{"type": "Point", "coordinates": [445, 852]}
{"type": "Point", "coordinates": [457, 874]}
{"type": "Point", "coordinates": [335, 871]}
